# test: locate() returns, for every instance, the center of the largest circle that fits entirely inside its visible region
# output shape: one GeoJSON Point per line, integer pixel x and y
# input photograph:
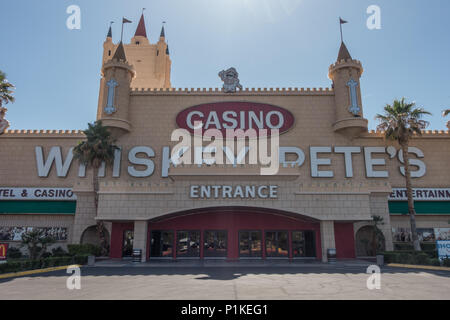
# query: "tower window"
{"type": "Point", "coordinates": [109, 52]}
{"type": "Point", "coordinates": [157, 52]}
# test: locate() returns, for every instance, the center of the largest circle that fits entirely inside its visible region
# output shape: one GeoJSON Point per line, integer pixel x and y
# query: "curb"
{"type": "Point", "coordinates": [413, 266]}
{"type": "Point", "coordinates": [29, 272]}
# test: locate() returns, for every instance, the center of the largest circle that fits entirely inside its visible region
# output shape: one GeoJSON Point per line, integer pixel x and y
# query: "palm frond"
{"type": "Point", "coordinates": [401, 120]}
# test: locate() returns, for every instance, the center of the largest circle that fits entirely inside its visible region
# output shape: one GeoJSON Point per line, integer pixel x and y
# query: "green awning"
{"type": "Point", "coordinates": [422, 207]}
{"type": "Point", "coordinates": [38, 207]}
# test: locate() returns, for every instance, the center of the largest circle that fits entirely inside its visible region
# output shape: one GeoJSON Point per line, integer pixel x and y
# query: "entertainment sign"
{"type": "Point", "coordinates": [36, 194]}
{"type": "Point", "coordinates": [421, 194]}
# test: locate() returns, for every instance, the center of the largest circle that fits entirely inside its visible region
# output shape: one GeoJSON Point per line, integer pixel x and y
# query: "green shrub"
{"type": "Point", "coordinates": [12, 267]}
{"type": "Point", "coordinates": [14, 253]}
{"type": "Point", "coordinates": [16, 266]}
{"type": "Point", "coordinates": [59, 252]}
{"type": "Point", "coordinates": [422, 259]}
{"type": "Point", "coordinates": [412, 257]}
{"type": "Point", "coordinates": [406, 246]}
{"type": "Point", "coordinates": [435, 262]}
{"type": "Point", "coordinates": [84, 249]}
{"type": "Point", "coordinates": [446, 262]}
{"type": "Point", "coordinates": [389, 257]}
{"type": "Point", "coordinates": [81, 259]}
{"type": "Point", "coordinates": [403, 246]}
{"type": "Point", "coordinates": [46, 255]}
{"type": "Point", "coordinates": [428, 246]}
{"type": "Point", "coordinates": [405, 258]}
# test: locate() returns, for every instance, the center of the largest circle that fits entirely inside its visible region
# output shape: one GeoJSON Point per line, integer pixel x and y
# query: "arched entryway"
{"type": "Point", "coordinates": [367, 242]}
{"type": "Point", "coordinates": [233, 233]}
{"type": "Point", "coordinates": [90, 236]}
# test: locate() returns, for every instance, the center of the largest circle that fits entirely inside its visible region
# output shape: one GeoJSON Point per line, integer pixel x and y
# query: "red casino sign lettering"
{"type": "Point", "coordinates": [236, 115]}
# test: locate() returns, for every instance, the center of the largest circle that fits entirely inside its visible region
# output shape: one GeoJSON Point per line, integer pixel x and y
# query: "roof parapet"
{"type": "Point", "coordinates": [43, 133]}
{"type": "Point", "coordinates": [245, 91]}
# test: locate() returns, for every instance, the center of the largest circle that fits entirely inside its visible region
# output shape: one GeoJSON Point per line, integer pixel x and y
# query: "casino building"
{"type": "Point", "coordinates": [334, 175]}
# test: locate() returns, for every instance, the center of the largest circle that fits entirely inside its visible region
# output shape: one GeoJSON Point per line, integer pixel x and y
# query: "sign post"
{"type": "Point", "coordinates": [3, 251]}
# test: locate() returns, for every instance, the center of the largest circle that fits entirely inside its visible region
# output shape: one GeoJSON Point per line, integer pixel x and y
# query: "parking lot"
{"type": "Point", "coordinates": [240, 282]}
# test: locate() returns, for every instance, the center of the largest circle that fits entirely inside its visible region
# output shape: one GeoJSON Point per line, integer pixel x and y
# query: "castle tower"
{"type": "Point", "coordinates": [114, 97]}
{"type": "Point", "coordinates": [163, 63]}
{"type": "Point", "coordinates": [108, 46]}
{"type": "Point", "coordinates": [152, 61]}
{"type": "Point", "coordinates": [346, 74]}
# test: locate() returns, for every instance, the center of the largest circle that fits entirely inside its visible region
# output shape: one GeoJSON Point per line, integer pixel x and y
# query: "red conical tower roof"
{"type": "Point", "coordinates": [141, 31]}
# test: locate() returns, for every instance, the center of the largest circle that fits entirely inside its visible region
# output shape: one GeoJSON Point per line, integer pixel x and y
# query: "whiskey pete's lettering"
{"type": "Point", "coordinates": [236, 115]}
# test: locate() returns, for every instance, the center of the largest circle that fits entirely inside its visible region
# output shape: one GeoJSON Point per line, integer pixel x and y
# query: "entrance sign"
{"type": "Point", "coordinates": [236, 115]}
{"type": "Point", "coordinates": [37, 194]}
{"type": "Point", "coordinates": [421, 194]}
{"type": "Point", "coordinates": [233, 192]}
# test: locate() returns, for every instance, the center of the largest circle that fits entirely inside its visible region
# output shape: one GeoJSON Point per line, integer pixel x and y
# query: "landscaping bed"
{"type": "Point", "coordinates": [425, 258]}
{"type": "Point", "coordinates": [77, 254]}
{"type": "Point", "coordinates": [18, 265]}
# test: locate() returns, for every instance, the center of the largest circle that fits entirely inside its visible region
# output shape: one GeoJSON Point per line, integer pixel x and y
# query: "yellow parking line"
{"type": "Point", "coordinates": [26, 273]}
{"type": "Point", "coordinates": [413, 266]}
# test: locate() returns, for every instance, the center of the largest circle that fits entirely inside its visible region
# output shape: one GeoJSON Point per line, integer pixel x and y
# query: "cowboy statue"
{"type": "Point", "coordinates": [230, 80]}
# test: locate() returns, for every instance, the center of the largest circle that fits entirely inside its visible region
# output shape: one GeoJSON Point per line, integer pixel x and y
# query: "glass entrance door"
{"type": "Point", "coordinates": [215, 243]}
{"type": "Point", "coordinates": [127, 246]}
{"type": "Point", "coordinates": [188, 244]}
{"type": "Point", "coordinates": [161, 244]}
{"type": "Point", "coordinates": [303, 244]}
{"type": "Point", "coordinates": [277, 244]}
{"type": "Point", "coordinates": [250, 244]}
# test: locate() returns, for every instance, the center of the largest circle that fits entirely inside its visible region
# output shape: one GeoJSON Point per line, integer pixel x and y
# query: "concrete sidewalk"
{"type": "Point", "coordinates": [183, 263]}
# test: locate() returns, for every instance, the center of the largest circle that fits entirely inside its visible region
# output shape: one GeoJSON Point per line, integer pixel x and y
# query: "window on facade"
{"type": "Point", "coordinates": [188, 244]}
{"type": "Point", "coordinates": [161, 244]}
{"type": "Point", "coordinates": [277, 244]}
{"type": "Point", "coordinates": [127, 248]}
{"type": "Point", "coordinates": [250, 244]}
{"type": "Point", "coordinates": [303, 244]}
{"type": "Point", "coordinates": [215, 244]}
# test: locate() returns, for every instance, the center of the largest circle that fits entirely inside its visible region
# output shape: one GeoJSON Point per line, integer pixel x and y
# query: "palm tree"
{"type": "Point", "coordinates": [445, 113]}
{"type": "Point", "coordinates": [6, 96]}
{"type": "Point", "coordinates": [97, 148]}
{"type": "Point", "coordinates": [400, 122]}
{"type": "Point", "coordinates": [6, 90]}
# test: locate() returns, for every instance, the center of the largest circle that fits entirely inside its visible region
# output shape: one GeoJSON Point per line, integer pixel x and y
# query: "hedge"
{"type": "Point", "coordinates": [427, 258]}
{"type": "Point", "coordinates": [407, 246]}
{"type": "Point", "coordinates": [25, 265]}
{"type": "Point", "coordinates": [84, 249]}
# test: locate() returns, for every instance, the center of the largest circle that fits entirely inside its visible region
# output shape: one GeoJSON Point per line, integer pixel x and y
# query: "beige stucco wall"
{"type": "Point", "coordinates": [152, 115]}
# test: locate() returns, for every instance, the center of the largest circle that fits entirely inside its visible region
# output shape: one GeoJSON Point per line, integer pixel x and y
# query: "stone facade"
{"type": "Point", "coordinates": [146, 117]}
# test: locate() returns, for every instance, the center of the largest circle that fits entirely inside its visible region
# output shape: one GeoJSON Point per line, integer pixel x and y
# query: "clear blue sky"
{"type": "Point", "coordinates": [272, 43]}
